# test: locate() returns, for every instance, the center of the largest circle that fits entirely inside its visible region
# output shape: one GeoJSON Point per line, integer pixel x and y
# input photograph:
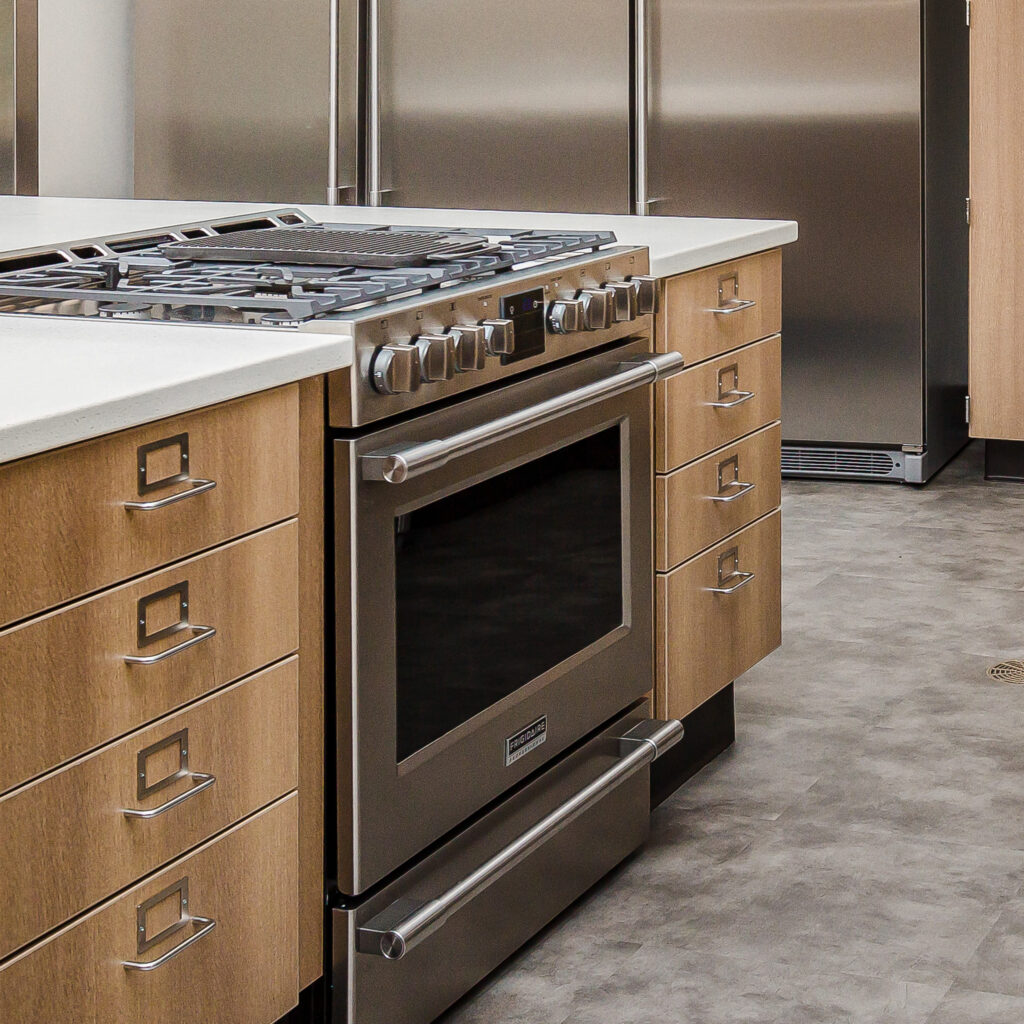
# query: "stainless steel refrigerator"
{"type": "Point", "coordinates": [849, 116]}
{"type": "Point", "coordinates": [499, 104]}
{"type": "Point", "coordinates": [246, 99]}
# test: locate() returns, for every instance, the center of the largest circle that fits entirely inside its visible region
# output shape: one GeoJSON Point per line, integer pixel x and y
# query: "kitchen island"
{"type": "Point", "coordinates": [95, 415]}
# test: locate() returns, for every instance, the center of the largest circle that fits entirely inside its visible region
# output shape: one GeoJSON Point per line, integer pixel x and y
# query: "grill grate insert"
{"type": "Point", "coordinates": [1007, 672]}
{"type": "Point", "coordinates": [329, 246]}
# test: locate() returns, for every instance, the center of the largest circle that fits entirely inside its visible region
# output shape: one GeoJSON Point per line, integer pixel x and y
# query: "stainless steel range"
{"type": "Point", "coordinates": [489, 481]}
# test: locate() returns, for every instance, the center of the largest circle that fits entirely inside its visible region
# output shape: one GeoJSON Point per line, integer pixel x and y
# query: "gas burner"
{"type": "Point", "coordinates": [271, 269]}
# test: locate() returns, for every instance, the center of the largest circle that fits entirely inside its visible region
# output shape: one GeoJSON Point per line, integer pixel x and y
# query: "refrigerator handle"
{"type": "Point", "coordinates": [375, 190]}
{"type": "Point", "coordinates": [640, 90]}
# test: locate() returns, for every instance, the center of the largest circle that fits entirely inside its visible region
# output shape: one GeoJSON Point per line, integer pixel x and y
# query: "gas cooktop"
{"type": "Point", "coordinates": [277, 269]}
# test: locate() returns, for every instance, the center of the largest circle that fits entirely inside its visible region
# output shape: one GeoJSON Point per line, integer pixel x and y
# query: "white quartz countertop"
{"type": "Point", "coordinates": [64, 380]}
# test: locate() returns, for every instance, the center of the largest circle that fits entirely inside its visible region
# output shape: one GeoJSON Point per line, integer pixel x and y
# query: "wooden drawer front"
{"type": "Point", "coordinates": [67, 687]}
{"type": "Point", "coordinates": [241, 971]}
{"type": "Point", "coordinates": [68, 843]}
{"type": "Point", "coordinates": [707, 406]}
{"type": "Point", "coordinates": [707, 639]}
{"type": "Point", "coordinates": [701, 503]}
{"type": "Point", "coordinates": [67, 531]}
{"type": "Point", "coordinates": [690, 321]}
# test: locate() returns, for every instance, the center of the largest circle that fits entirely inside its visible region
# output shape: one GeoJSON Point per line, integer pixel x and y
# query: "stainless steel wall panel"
{"type": "Point", "coordinates": [492, 104]}
{"type": "Point", "coordinates": [809, 110]}
{"type": "Point", "coordinates": [7, 112]}
{"type": "Point", "coordinates": [233, 99]}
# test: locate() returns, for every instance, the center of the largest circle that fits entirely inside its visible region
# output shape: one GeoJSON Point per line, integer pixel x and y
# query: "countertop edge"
{"type": "Point", "coordinates": [58, 430]}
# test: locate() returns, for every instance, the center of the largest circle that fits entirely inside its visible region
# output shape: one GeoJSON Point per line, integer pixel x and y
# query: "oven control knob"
{"type": "Point", "coordinates": [598, 308]}
{"type": "Point", "coordinates": [646, 289]}
{"type": "Point", "coordinates": [470, 347]}
{"type": "Point", "coordinates": [500, 336]}
{"type": "Point", "coordinates": [566, 316]}
{"type": "Point", "coordinates": [437, 357]}
{"type": "Point", "coordinates": [623, 300]}
{"type": "Point", "coordinates": [395, 369]}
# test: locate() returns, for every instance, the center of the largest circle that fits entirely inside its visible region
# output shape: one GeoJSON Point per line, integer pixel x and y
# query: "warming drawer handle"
{"type": "Point", "coordinates": [733, 306]}
{"type": "Point", "coordinates": [202, 781]}
{"type": "Point", "coordinates": [401, 463]}
{"type": "Point", "coordinates": [407, 922]}
{"type": "Point", "coordinates": [199, 634]}
{"type": "Point", "coordinates": [739, 397]}
{"type": "Point", "coordinates": [206, 925]}
{"type": "Point", "coordinates": [195, 487]}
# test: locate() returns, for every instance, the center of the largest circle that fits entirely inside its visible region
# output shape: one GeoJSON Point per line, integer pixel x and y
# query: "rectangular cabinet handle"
{"type": "Point", "coordinates": [202, 781]}
{"type": "Point", "coordinates": [743, 579]}
{"type": "Point", "coordinates": [738, 398]}
{"type": "Point", "coordinates": [199, 634]}
{"type": "Point", "coordinates": [734, 306]}
{"type": "Point", "coordinates": [195, 487]}
{"type": "Point", "coordinates": [739, 490]}
{"type": "Point", "coordinates": [205, 926]}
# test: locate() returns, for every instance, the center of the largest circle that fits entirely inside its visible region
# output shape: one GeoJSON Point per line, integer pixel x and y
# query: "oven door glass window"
{"type": "Point", "coordinates": [504, 580]}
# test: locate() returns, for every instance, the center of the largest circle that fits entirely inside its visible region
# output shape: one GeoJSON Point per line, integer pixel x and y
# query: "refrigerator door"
{"type": "Point", "coordinates": [492, 104]}
{"type": "Point", "coordinates": [233, 100]}
{"type": "Point", "coordinates": [809, 110]}
{"type": "Point", "coordinates": [6, 97]}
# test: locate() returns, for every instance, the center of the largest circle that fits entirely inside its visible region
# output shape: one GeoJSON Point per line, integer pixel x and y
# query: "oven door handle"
{"type": "Point", "coordinates": [407, 922]}
{"type": "Point", "coordinates": [399, 463]}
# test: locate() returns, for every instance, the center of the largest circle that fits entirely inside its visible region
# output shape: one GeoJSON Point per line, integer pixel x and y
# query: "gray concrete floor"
{"type": "Point", "coordinates": [858, 856]}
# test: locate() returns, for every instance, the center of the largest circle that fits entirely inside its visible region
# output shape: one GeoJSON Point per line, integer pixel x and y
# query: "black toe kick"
{"type": "Point", "coordinates": [709, 730]}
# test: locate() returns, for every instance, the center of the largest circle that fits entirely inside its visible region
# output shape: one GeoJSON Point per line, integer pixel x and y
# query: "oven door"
{"type": "Point", "coordinates": [493, 597]}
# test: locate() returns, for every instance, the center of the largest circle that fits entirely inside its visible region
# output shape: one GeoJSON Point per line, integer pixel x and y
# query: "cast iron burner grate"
{"type": "Point", "coordinates": [326, 246]}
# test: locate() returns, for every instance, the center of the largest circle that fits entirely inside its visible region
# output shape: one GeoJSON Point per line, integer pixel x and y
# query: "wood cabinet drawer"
{"type": "Point", "coordinates": [67, 687]}
{"type": "Point", "coordinates": [67, 530]}
{"type": "Point", "coordinates": [716, 402]}
{"type": "Point", "coordinates": [715, 496]}
{"type": "Point", "coordinates": [68, 842]}
{"type": "Point", "coordinates": [707, 312]}
{"type": "Point", "coordinates": [242, 970]}
{"type": "Point", "coordinates": [708, 639]}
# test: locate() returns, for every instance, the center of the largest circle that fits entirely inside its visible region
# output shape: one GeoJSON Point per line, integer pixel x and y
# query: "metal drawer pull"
{"type": "Point", "coordinates": [401, 463]}
{"type": "Point", "coordinates": [199, 634]}
{"type": "Point", "coordinates": [743, 577]}
{"type": "Point", "coordinates": [407, 922]}
{"type": "Point", "coordinates": [741, 489]}
{"type": "Point", "coordinates": [202, 780]}
{"type": "Point", "coordinates": [739, 399]}
{"type": "Point", "coordinates": [735, 306]}
{"type": "Point", "coordinates": [206, 925]}
{"type": "Point", "coordinates": [196, 487]}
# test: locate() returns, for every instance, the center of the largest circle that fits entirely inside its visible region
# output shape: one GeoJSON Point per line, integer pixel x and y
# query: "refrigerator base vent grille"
{"type": "Point", "coordinates": [842, 463]}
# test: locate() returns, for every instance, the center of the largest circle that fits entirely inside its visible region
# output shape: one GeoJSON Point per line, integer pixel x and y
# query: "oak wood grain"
{"type": "Point", "coordinates": [996, 320]}
{"type": "Point", "coordinates": [66, 531]}
{"type": "Point", "coordinates": [65, 687]}
{"type": "Point", "coordinates": [688, 520]}
{"type": "Point", "coordinates": [242, 972]}
{"type": "Point", "coordinates": [312, 431]}
{"type": "Point", "coordinates": [686, 324]}
{"type": "Point", "coordinates": [67, 845]}
{"type": "Point", "coordinates": [707, 640]}
{"type": "Point", "coordinates": [687, 425]}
